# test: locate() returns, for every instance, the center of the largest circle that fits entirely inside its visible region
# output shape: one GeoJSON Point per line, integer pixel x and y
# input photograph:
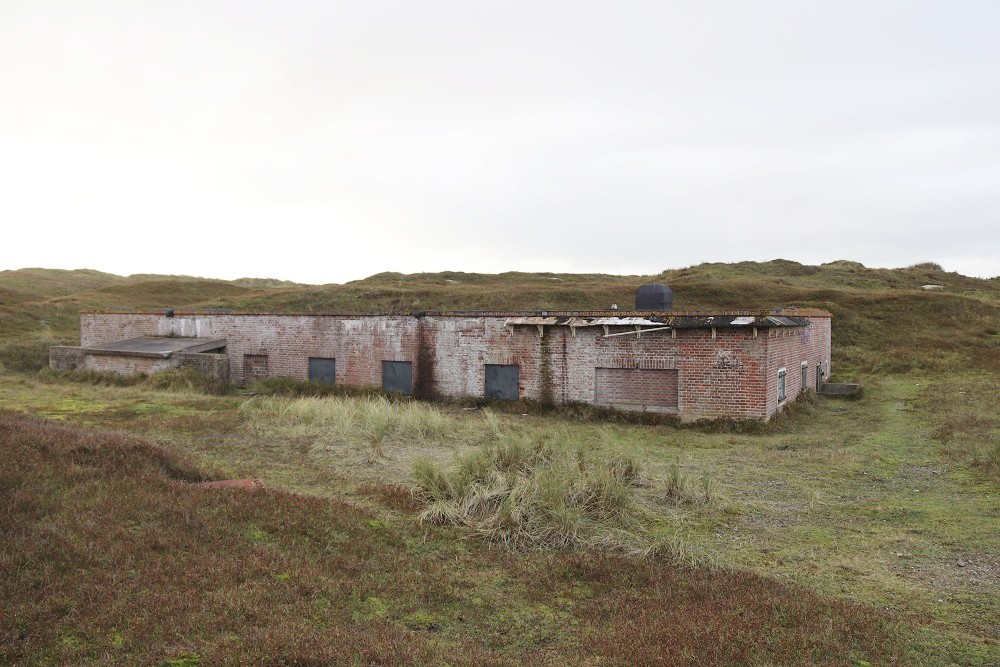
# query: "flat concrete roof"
{"type": "Point", "coordinates": [156, 346]}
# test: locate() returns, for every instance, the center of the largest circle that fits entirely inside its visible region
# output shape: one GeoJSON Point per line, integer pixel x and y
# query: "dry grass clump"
{"type": "Point", "coordinates": [682, 488]}
{"type": "Point", "coordinates": [538, 493]}
{"type": "Point", "coordinates": [371, 424]}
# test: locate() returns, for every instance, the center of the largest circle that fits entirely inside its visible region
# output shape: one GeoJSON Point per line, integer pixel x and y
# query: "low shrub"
{"type": "Point", "coordinates": [25, 356]}
{"type": "Point", "coordinates": [929, 266]}
{"type": "Point", "coordinates": [184, 379]}
{"type": "Point", "coordinates": [284, 386]}
{"type": "Point", "coordinates": [187, 379]}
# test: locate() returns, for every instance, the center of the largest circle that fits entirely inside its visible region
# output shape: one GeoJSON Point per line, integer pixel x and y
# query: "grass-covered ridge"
{"type": "Point", "coordinates": [883, 320]}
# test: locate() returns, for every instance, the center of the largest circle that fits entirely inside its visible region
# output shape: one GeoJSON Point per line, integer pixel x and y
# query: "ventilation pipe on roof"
{"type": "Point", "coordinates": [654, 297]}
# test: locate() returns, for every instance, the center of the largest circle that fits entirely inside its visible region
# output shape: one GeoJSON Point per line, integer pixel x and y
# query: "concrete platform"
{"type": "Point", "coordinates": [156, 346]}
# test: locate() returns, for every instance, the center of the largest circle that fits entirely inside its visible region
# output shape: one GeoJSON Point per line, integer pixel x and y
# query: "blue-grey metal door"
{"type": "Point", "coordinates": [323, 371]}
{"type": "Point", "coordinates": [397, 376]}
{"type": "Point", "coordinates": [502, 382]}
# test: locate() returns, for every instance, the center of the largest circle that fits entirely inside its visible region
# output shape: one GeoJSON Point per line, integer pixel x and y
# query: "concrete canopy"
{"type": "Point", "coordinates": [156, 346]}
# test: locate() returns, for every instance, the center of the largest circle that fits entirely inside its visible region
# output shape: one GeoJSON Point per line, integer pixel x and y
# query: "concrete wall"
{"type": "Point", "coordinates": [64, 358]}
{"type": "Point", "coordinates": [730, 374]}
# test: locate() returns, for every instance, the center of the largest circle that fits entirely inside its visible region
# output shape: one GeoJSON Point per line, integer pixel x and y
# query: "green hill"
{"type": "Point", "coordinates": [883, 318]}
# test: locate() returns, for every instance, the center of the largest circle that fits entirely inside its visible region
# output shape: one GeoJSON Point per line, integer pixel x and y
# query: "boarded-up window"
{"type": "Point", "coordinates": [502, 382]}
{"type": "Point", "coordinates": [644, 387]}
{"type": "Point", "coordinates": [254, 367]}
{"type": "Point", "coordinates": [397, 376]}
{"type": "Point", "coordinates": [322, 371]}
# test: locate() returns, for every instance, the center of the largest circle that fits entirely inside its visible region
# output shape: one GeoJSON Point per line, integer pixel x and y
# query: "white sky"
{"type": "Point", "coordinates": [327, 141]}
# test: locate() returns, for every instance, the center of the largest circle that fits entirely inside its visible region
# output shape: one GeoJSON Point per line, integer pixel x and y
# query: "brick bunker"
{"type": "Point", "coordinates": [741, 364]}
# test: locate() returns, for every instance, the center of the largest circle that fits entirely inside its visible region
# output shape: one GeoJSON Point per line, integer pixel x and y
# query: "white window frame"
{"type": "Point", "coordinates": [805, 376]}
{"type": "Point", "coordinates": [782, 384]}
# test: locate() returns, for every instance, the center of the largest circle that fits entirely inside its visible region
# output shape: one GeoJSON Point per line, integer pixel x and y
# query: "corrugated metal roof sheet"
{"type": "Point", "coordinates": [662, 321]}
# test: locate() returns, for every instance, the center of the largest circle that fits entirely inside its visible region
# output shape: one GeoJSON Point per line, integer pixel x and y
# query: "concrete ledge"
{"type": "Point", "coordinates": [839, 389]}
{"type": "Point", "coordinates": [157, 347]}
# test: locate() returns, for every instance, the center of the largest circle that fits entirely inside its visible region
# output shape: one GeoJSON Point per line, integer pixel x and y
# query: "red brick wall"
{"type": "Point", "coordinates": [632, 388]}
{"type": "Point", "coordinates": [788, 348]}
{"type": "Point", "coordinates": [732, 374]}
{"type": "Point", "coordinates": [722, 376]}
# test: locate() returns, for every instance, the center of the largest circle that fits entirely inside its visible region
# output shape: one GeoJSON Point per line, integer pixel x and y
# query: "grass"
{"type": "Point", "coordinates": [845, 531]}
{"type": "Point", "coordinates": [373, 425]}
{"type": "Point", "coordinates": [966, 419]}
{"type": "Point", "coordinates": [538, 494]}
{"type": "Point", "coordinates": [825, 499]}
{"type": "Point", "coordinates": [111, 556]}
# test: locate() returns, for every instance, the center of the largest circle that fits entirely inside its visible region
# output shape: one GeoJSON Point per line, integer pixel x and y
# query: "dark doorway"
{"type": "Point", "coordinates": [503, 382]}
{"type": "Point", "coordinates": [322, 371]}
{"type": "Point", "coordinates": [397, 376]}
{"type": "Point", "coordinates": [254, 367]}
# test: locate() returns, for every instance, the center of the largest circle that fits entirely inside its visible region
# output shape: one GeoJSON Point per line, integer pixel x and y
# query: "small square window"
{"type": "Point", "coordinates": [781, 384]}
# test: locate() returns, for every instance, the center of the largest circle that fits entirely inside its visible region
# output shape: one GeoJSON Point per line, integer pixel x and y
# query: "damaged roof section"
{"type": "Point", "coordinates": [665, 321]}
{"type": "Point", "coordinates": [156, 346]}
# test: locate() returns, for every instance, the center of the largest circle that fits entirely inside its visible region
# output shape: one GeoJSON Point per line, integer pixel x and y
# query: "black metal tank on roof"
{"type": "Point", "coordinates": [654, 297]}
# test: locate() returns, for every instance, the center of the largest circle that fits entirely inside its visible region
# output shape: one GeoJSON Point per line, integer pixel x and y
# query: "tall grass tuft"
{"type": "Point", "coordinates": [681, 489]}
{"type": "Point", "coordinates": [525, 493]}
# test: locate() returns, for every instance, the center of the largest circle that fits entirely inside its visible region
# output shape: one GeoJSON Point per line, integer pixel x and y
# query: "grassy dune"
{"type": "Point", "coordinates": [843, 533]}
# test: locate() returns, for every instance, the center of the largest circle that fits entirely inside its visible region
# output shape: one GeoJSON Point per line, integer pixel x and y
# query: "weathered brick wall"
{"type": "Point", "coordinates": [212, 365]}
{"type": "Point", "coordinates": [726, 375]}
{"type": "Point", "coordinates": [99, 328]}
{"type": "Point", "coordinates": [113, 363]}
{"type": "Point", "coordinates": [788, 349]}
{"type": "Point", "coordinates": [722, 376]}
{"type": "Point", "coordinates": [64, 358]}
{"type": "Point", "coordinates": [637, 388]}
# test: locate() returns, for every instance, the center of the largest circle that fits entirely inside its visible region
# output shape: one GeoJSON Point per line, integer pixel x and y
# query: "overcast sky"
{"type": "Point", "coordinates": [327, 141]}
